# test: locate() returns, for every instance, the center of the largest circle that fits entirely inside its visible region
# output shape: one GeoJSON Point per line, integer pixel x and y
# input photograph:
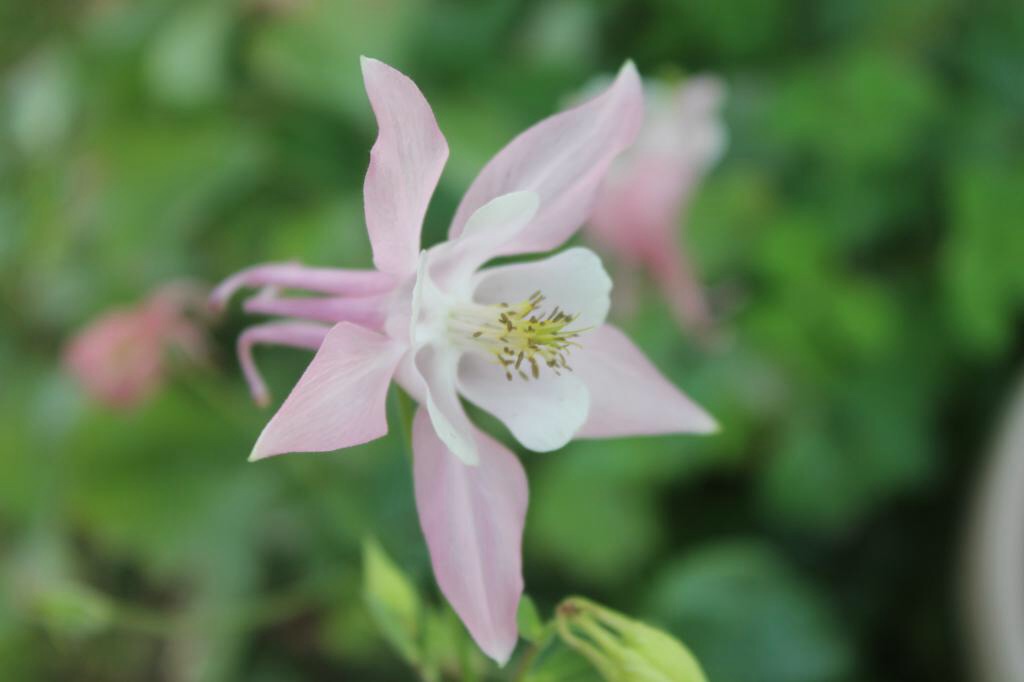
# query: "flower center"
{"type": "Point", "coordinates": [522, 337]}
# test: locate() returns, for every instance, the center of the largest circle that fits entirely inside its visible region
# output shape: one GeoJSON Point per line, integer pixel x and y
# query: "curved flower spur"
{"type": "Point", "coordinates": [526, 342]}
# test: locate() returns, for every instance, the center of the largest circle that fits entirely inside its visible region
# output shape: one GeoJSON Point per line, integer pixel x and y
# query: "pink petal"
{"type": "Point", "coordinates": [295, 276]}
{"type": "Point", "coordinates": [339, 401]}
{"type": "Point", "coordinates": [563, 159]}
{"type": "Point", "coordinates": [295, 334]}
{"type": "Point", "coordinates": [405, 164]}
{"type": "Point", "coordinates": [681, 287]}
{"type": "Point", "coordinates": [637, 214]}
{"type": "Point", "coordinates": [703, 136]}
{"type": "Point", "coordinates": [366, 311]}
{"type": "Point", "coordinates": [637, 219]}
{"type": "Point", "coordinates": [628, 395]}
{"type": "Point", "coordinates": [473, 520]}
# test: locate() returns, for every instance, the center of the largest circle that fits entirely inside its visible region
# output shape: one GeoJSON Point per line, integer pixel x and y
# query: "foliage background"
{"type": "Point", "coordinates": [861, 242]}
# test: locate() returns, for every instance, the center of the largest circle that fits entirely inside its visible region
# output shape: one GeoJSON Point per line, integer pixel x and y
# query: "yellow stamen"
{"type": "Point", "coordinates": [517, 333]}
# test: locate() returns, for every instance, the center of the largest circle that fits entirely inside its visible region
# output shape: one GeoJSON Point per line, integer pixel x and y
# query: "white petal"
{"type": "Point", "coordinates": [543, 414]}
{"type": "Point", "coordinates": [574, 280]}
{"type": "Point", "coordinates": [488, 229]}
{"type": "Point", "coordinates": [437, 366]}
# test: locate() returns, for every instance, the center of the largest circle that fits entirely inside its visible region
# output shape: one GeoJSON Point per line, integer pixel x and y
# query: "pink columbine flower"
{"type": "Point", "coordinates": [637, 214]}
{"type": "Point", "coordinates": [120, 358]}
{"type": "Point", "coordinates": [526, 342]}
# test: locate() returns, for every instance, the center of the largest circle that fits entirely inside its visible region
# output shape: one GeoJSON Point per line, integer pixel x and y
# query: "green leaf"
{"type": "Point", "coordinates": [42, 100]}
{"type": "Point", "coordinates": [983, 254]}
{"type": "Point", "coordinates": [882, 101]}
{"type": "Point", "coordinates": [530, 626]}
{"type": "Point", "coordinates": [448, 648]}
{"type": "Point", "coordinates": [393, 602]}
{"type": "Point", "coordinates": [604, 542]}
{"type": "Point", "coordinates": [71, 609]}
{"type": "Point", "coordinates": [187, 62]}
{"type": "Point", "coordinates": [311, 53]}
{"type": "Point", "coordinates": [749, 618]}
{"type": "Point", "coordinates": [197, 453]}
{"type": "Point", "coordinates": [874, 440]}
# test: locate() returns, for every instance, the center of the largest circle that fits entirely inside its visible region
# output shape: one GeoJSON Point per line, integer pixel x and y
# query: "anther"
{"type": "Point", "coordinates": [523, 331]}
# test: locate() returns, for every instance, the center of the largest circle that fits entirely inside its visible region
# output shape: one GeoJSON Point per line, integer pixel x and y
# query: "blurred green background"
{"type": "Point", "coordinates": [862, 244]}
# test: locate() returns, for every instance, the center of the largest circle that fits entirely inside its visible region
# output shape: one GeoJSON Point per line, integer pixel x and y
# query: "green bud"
{"type": "Point", "coordinates": [623, 649]}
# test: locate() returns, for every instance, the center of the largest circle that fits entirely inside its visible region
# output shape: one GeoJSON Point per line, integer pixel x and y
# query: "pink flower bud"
{"type": "Point", "coordinates": [121, 357]}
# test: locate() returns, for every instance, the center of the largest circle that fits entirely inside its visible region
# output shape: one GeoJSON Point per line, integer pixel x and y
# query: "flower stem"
{"type": "Point", "coordinates": [526, 661]}
{"type": "Point", "coordinates": [406, 409]}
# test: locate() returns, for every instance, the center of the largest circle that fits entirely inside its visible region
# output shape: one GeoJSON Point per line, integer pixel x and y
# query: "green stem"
{"type": "Point", "coordinates": [200, 393]}
{"type": "Point", "coordinates": [525, 663]}
{"type": "Point", "coordinates": [539, 643]}
{"type": "Point", "coordinates": [406, 409]}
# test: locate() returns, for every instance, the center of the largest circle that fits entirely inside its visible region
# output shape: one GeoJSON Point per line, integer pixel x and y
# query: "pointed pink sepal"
{"type": "Point", "coordinates": [628, 395]}
{"type": "Point", "coordinates": [339, 401]}
{"type": "Point", "coordinates": [473, 517]}
{"type": "Point", "coordinates": [564, 159]}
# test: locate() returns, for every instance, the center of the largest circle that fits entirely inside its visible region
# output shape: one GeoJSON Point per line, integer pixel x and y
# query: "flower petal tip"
{"type": "Point", "coordinates": [501, 655]}
{"type": "Point", "coordinates": [628, 74]}
{"type": "Point", "coordinates": [260, 451]}
{"type": "Point", "coordinates": [499, 647]}
{"type": "Point", "coordinates": [368, 63]}
{"type": "Point", "coordinates": [707, 425]}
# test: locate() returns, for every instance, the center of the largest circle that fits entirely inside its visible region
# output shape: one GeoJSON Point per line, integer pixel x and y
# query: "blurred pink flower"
{"type": "Point", "coordinates": [637, 214]}
{"type": "Point", "coordinates": [120, 358]}
{"type": "Point", "coordinates": [440, 326]}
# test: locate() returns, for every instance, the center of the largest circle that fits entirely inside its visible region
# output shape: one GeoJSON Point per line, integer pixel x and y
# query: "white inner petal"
{"type": "Point", "coordinates": [574, 280]}
{"type": "Point", "coordinates": [488, 229]}
{"type": "Point", "coordinates": [543, 413]}
{"type": "Point", "coordinates": [437, 365]}
{"type": "Point", "coordinates": [514, 328]}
